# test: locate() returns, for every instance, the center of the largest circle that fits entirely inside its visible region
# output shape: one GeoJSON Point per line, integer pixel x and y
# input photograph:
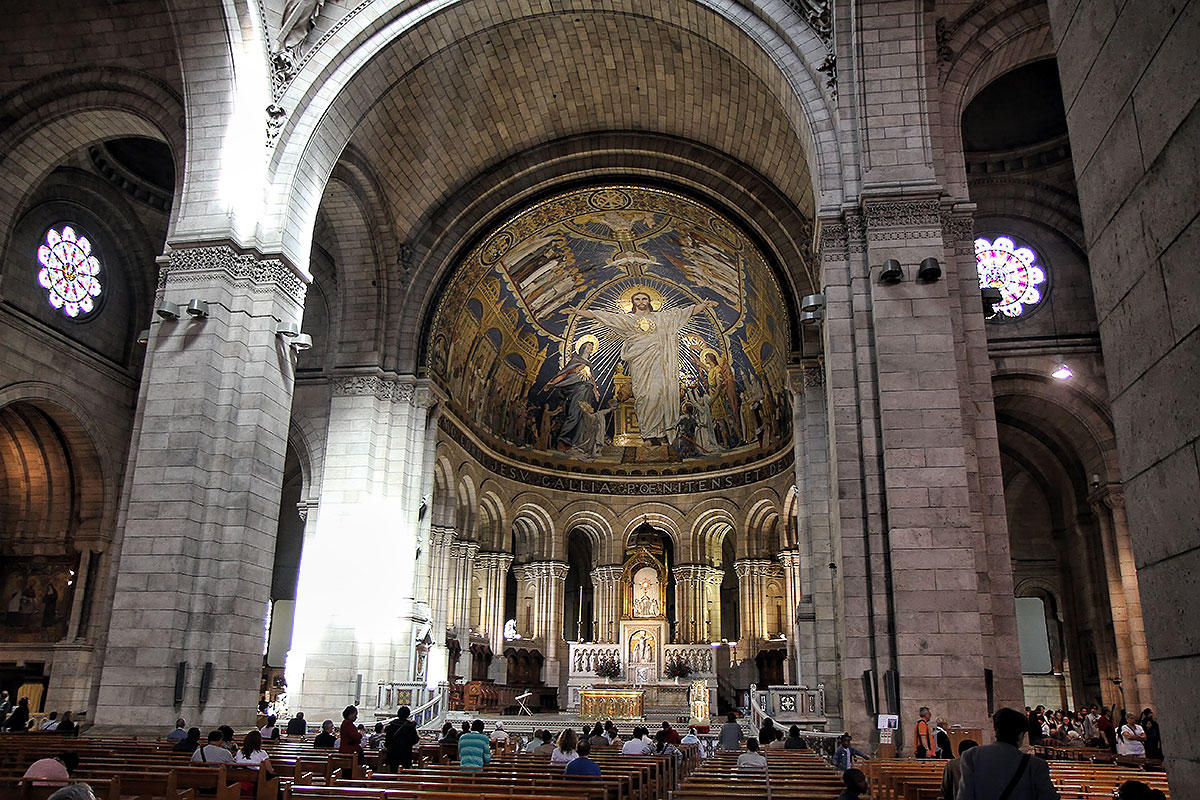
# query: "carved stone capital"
{"type": "Point", "coordinates": [958, 232]}
{"type": "Point", "coordinates": [490, 559]}
{"type": "Point", "coordinates": [240, 272]}
{"type": "Point", "coordinates": [607, 573]}
{"type": "Point", "coordinates": [790, 559]}
{"type": "Point", "coordinates": [397, 389]}
{"type": "Point", "coordinates": [440, 535]}
{"type": "Point", "coordinates": [752, 567]}
{"type": "Point", "coordinates": [463, 550]}
{"type": "Point", "coordinates": [545, 570]}
{"type": "Point", "coordinates": [894, 220]}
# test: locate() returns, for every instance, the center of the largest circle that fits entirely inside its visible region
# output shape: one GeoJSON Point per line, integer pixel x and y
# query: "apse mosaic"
{"type": "Point", "coordinates": [617, 325]}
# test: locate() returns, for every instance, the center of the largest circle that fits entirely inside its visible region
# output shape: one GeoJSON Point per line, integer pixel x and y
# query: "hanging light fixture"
{"type": "Point", "coordinates": [1062, 372]}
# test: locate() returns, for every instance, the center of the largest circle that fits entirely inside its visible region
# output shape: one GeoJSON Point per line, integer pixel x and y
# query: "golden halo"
{"type": "Point", "coordinates": [625, 298]}
{"type": "Point", "coordinates": [582, 340]}
{"type": "Point", "coordinates": [706, 351]}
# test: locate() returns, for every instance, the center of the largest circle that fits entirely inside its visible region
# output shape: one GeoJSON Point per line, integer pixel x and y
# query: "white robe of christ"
{"type": "Point", "coordinates": [650, 348]}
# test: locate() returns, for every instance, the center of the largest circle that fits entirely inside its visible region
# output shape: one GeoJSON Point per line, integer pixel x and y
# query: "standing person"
{"type": "Point", "coordinates": [213, 752]}
{"type": "Point", "coordinates": [399, 737]}
{"type": "Point", "coordinates": [350, 737]}
{"type": "Point", "coordinates": [1107, 732]}
{"type": "Point", "coordinates": [5, 706]}
{"type": "Point", "coordinates": [952, 773]}
{"type": "Point", "coordinates": [941, 738]}
{"type": "Point", "coordinates": [1088, 718]}
{"type": "Point", "coordinates": [1131, 738]}
{"type": "Point", "coordinates": [296, 725]}
{"type": "Point", "coordinates": [923, 735]}
{"type": "Point", "coordinates": [1153, 735]}
{"type": "Point", "coordinates": [752, 760]}
{"type": "Point", "coordinates": [843, 757]}
{"type": "Point", "coordinates": [1034, 726]}
{"type": "Point", "coordinates": [1000, 771]}
{"type": "Point", "coordinates": [18, 720]}
{"type": "Point", "coordinates": [730, 737]}
{"type": "Point", "coordinates": [474, 748]}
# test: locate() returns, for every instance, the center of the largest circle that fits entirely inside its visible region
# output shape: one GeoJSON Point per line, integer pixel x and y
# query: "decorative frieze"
{"type": "Point", "coordinates": [397, 390]}
{"type": "Point", "coordinates": [239, 271]}
{"type": "Point", "coordinates": [958, 232]}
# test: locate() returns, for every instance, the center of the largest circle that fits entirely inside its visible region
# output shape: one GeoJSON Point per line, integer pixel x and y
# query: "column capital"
{"type": "Point", "coordinates": [700, 573]}
{"type": "Point", "coordinates": [748, 567]}
{"type": "Point", "coordinates": [607, 573]}
{"type": "Point", "coordinates": [790, 558]}
{"type": "Point", "coordinates": [488, 559]}
{"type": "Point", "coordinates": [418, 392]}
{"type": "Point", "coordinates": [1108, 495]}
{"type": "Point", "coordinates": [463, 549]}
{"type": "Point", "coordinates": [554, 570]}
{"type": "Point", "coordinates": [239, 271]}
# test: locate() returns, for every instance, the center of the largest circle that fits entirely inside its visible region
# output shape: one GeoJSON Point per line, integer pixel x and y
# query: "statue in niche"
{"type": "Point", "coordinates": [645, 593]}
{"type": "Point", "coordinates": [299, 17]}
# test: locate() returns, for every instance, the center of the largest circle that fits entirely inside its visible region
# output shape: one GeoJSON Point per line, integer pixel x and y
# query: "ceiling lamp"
{"type": "Point", "coordinates": [1062, 372]}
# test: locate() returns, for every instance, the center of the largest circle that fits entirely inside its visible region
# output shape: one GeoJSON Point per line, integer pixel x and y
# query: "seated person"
{"type": "Point", "coordinates": [690, 737]}
{"type": "Point", "coordinates": [534, 742]}
{"type": "Point", "coordinates": [855, 781]}
{"type": "Point", "coordinates": [752, 760]}
{"type": "Point", "coordinates": [214, 752]}
{"type": "Point", "coordinates": [54, 771]}
{"type": "Point", "coordinates": [326, 737]}
{"type": "Point", "coordinates": [546, 746]}
{"type": "Point", "coordinates": [297, 726]}
{"type": "Point", "coordinates": [582, 767]}
{"type": "Point", "coordinates": [499, 735]}
{"type": "Point", "coordinates": [638, 744]}
{"type": "Point", "coordinates": [180, 732]}
{"type": "Point", "coordinates": [794, 741]}
{"type": "Point", "coordinates": [190, 743]}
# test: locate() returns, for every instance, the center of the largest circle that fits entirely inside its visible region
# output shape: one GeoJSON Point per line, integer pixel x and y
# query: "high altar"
{"type": "Point", "coordinates": [643, 647]}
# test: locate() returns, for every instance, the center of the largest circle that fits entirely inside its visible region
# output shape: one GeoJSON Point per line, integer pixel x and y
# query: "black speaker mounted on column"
{"type": "Point", "coordinates": [180, 681]}
{"type": "Point", "coordinates": [205, 681]}
{"type": "Point", "coordinates": [870, 693]}
{"type": "Point", "coordinates": [891, 690]}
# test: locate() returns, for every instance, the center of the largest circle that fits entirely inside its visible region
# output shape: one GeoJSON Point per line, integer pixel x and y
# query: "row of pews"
{"type": "Point", "coordinates": [790, 775]}
{"type": "Point", "coordinates": [913, 779]}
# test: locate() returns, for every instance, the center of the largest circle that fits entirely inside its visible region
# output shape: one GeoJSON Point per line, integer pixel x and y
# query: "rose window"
{"type": "Point", "coordinates": [70, 273]}
{"type": "Point", "coordinates": [1013, 270]}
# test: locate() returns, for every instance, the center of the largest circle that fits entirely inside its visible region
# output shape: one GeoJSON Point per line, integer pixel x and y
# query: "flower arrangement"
{"type": "Point", "coordinates": [677, 666]}
{"type": "Point", "coordinates": [608, 666]}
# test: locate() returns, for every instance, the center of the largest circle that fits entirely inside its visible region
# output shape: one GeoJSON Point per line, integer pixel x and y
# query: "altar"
{"type": "Point", "coordinates": [611, 703]}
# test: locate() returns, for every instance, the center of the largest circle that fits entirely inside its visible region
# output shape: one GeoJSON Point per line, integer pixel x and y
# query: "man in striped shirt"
{"type": "Point", "coordinates": [474, 748]}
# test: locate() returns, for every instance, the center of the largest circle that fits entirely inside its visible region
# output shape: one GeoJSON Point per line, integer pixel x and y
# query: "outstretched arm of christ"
{"type": "Point", "coordinates": [703, 304]}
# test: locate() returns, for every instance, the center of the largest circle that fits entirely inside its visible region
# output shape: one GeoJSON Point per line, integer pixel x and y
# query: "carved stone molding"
{"type": "Point", "coordinates": [608, 573]}
{"type": "Point", "coordinates": [490, 559]}
{"type": "Point", "coordinates": [698, 573]}
{"type": "Point", "coordinates": [238, 271]}
{"type": "Point", "coordinates": [841, 237]}
{"type": "Point", "coordinates": [414, 391]}
{"type": "Point", "coordinates": [463, 550]}
{"type": "Point", "coordinates": [752, 567]}
{"type": "Point", "coordinates": [819, 16]}
{"type": "Point", "coordinates": [543, 570]}
{"type": "Point", "coordinates": [958, 232]}
{"type": "Point", "coordinates": [902, 213]}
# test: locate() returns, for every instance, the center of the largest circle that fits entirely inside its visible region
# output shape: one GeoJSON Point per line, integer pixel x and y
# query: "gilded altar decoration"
{"type": "Point", "coordinates": [611, 703]}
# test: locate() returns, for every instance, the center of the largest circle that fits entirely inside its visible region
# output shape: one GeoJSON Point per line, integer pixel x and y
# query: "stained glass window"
{"type": "Point", "coordinates": [70, 273]}
{"type": "Point", "coordinates": [1014, 271]}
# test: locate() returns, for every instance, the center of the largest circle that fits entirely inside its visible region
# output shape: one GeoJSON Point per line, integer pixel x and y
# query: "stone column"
{"type": "Point", "coordinates": [751, 573]}
{"type": "Point", "coordinates": [690, 603]}
{"type": "Point", "coordinates": [462, 570]}
{"type": "Point", "coordinates": [492, 569]}
{"type": "Point", "coordinates": [795, 629]}
{"type": "Point", "coordinates": [606, 594]}
{"type": "Point", "coordinates": [440, 540]}
{"type": "Point", "coordinates": [196, 533]}
{"type": "Point", "coordinates": [1125, 600]}
{"type": "Point", "coordinates": [713, 578]}
{"type": "Point", "coordinates": [357, 614]}
{"type": "Point", "coordinates": [548, 578]}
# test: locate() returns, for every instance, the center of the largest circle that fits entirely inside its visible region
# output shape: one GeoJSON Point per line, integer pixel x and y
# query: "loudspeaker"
{"type": "Point", "coordinates": [891, 690]}
{"type": "Point", "coordinates": [870, 693]}
{"type": "Point", "coordinates": [205, 681]}
{"type": "Point", "coordinates": [989, 685]}
{"type": "Point", "coordinates": [180, 681]}
{"type": "Point", "coordinates": [358, 689]}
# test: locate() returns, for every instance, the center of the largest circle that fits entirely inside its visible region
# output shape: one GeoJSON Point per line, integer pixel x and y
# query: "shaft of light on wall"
{"type": "Point", "coordinates": [243, 172]}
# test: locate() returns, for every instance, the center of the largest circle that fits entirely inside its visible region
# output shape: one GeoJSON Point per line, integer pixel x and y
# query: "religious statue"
{"type": "Point", "coordinates": [641, 648]}
{"type": "Point", "coordinates": [299, 17]}
{"type": "Point", "coordinates": [645, 593]}
{"type": "Point", "coordinates": [650, 348]}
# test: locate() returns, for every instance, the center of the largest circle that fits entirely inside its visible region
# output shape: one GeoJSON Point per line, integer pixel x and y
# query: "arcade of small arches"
{"type": "Point", "coordinates": [367, 365]}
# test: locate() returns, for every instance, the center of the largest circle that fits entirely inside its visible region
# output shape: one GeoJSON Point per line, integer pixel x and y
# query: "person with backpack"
{"type": "Point", "coordinates": [1000, 771]}
{"type": "Point", "coordinates": [399, 737]}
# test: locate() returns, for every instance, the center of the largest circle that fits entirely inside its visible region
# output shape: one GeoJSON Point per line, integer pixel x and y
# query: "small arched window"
{"type": "Point", "coordinates": [1015, 270]}
{"type": "Point", "coordinates": [70, 272]}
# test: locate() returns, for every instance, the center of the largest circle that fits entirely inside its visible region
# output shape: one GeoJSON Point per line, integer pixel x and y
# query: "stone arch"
{"type": "Point", "coordinates": [493, 529]}
{"type": "Point", "coordinates": [444, 501]}
{"type": "Point", "coordinates": [760, 525]}
{"type": "Point", "coordinates": [713, 520]}
{"type": "Point", "coordinates": [594, 520]}
{"type": "Point", "coordinates": [533, 530]}
{"type": "Point", "coordinates": [466, 506]}
{"type": "Point", "coordinates": [343, 78]}
{"type": "Point", "coordinates": [65, 112]}
{"type": "Point", "coordinates": [666, 518]}
{"type": "Point", "coordinates": [94, 477]}
{"type": "Point", "coordinates": [988, 40]}
{"type": "Point", "coordinates": [790, 515]}
{"type": "Point", "coordinates": [1047, 207]}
